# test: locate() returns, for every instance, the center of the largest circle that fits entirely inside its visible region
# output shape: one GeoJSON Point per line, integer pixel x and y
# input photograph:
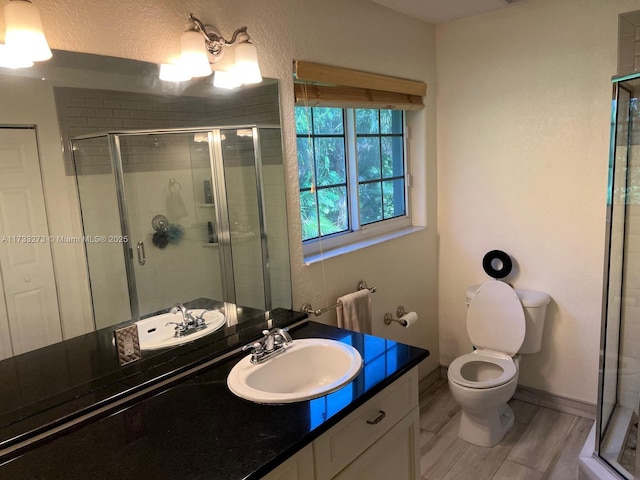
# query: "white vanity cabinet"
{"type": "Point", "coordinates": [297, 467]}
{"type": "Point", "coordinates": [377, 441]}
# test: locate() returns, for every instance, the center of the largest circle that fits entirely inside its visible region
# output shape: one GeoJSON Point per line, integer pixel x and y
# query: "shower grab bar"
{"type": "Point", "coordinates": [142, 258]}
{"type": "Point", "coordinates": [307, 308]}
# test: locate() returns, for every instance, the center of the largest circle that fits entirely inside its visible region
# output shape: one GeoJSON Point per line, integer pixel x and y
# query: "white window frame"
{"type": "Point", "coordinates": [362, 233]}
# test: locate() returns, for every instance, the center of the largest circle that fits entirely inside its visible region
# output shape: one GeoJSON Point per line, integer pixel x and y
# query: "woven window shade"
{"type": "Point", "coordinates": [326, 86]}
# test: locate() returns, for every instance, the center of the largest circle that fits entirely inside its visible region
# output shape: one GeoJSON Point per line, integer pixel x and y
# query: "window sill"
{"type": "Point", "coordinates": [352, 247]}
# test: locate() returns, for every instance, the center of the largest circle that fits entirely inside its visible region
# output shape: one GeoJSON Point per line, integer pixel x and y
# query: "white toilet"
{"type": "Point", "coordinates": [483, 381]}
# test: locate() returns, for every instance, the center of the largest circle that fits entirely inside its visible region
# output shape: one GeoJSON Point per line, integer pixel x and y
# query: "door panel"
{"type": "Point", "coordinates": [32, 315]}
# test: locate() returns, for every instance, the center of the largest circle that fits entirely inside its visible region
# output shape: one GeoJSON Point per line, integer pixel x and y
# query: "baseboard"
{"type": "Point", "coordinates": [428, 380]}
{"type": "Point", "coordinates": [555, 402]}
{"type": "Point", "coordinates": [548, 400]}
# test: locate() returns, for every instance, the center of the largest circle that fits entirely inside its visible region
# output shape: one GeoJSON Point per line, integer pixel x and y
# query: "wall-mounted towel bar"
{"type": "Point", "coordinates": [307, 308]}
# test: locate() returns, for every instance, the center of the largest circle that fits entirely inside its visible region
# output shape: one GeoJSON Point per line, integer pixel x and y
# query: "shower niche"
{"type": "Point", "coordinates": [170, 216]}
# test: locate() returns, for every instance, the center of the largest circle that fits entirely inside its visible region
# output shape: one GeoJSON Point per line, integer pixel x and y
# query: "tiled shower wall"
{"type": "Point", "coordinates": [86, 111]}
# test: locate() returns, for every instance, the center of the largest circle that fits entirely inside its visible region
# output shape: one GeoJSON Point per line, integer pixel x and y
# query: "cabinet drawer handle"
{"type": "Point", "coordinates": [378, 419]}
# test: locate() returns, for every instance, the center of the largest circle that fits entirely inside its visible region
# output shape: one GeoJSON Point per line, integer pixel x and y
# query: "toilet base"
{"type": "Point", "coordinates": [488, 429]}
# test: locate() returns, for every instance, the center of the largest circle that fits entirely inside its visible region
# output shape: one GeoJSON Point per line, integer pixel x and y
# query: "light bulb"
{"type": "Point", "coordinates": [24, 31]}
{"type": "Point", "coordinates": [11, 59]}
{"type": "Point", "coordinates": [194, 55]}
{"type": "Point", "coordinates": [173, 72]}
{"type": "Point", "coordinates": [225, 79]}
{"type": "Point", "coordinates": [246, 67]}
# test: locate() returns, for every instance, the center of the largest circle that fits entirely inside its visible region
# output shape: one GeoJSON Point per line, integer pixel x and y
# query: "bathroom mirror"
{"type": "Point", "coordinates": [123, 195]}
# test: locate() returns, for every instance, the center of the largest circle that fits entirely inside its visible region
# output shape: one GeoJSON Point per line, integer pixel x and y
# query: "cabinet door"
{"type": "Point", "coordinates": [337, 448]}
{"type": "Point", "coordinates": [394, 456]}
{"type": "Point", "coordinates": [298, 467]}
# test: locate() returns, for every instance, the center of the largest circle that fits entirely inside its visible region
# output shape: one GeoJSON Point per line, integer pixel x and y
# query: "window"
{"type": "Point", "coordinates": [352, 174]}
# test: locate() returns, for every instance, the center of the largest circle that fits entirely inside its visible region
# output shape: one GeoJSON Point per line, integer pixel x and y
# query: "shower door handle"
{"type": "Point", "coordinates": [142, 258]}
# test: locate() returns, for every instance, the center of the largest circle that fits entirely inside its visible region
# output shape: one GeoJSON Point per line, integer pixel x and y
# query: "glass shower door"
{"type": "Point", "coordinates": [616, 216]}
{"type": "Point", "coordinates": [240, 173]}
{"type": "Point", "coordinates": [98, 194]}
{"type": "Point", "coordinates": [619, 396]}
{"type": "Point", "coordinates": [169, 203]}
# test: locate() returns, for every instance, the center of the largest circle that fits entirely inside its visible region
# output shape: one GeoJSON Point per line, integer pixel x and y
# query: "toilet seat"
{"type": "Point", "coordinates": [490, 361]}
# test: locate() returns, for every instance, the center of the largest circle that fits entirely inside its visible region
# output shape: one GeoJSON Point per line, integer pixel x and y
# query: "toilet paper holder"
{"type": "Point", "coordinates": [400, 312]}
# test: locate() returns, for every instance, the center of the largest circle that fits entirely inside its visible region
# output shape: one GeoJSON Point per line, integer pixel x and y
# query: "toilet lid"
{"type": "Point", "coordinates": [495, 319]}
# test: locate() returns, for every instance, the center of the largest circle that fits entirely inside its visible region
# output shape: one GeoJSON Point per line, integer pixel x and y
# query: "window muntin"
{"type": "Point", "coordinates": [356, 157]}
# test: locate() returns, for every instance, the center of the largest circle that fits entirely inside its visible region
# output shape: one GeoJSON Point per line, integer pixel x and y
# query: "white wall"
{"type": "Point", "coordinates": [523, 132]}
{"type": "Point", "coordinates": [31, 102]}
{"type": "Point", "coordinates": [356, 34]}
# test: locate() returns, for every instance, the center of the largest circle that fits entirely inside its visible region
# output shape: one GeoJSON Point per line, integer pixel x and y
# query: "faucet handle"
{"type": "Point", "coordinates": [285, 334]}
{"type": "Point", "coordinates": [257, 347]}
{"type": "Point", "coordinates": [257, 350]}
{"type": "Point", "coordinates": [282, 337]}
{"type": "Point", "coordinates": [199, 319]}
{"type": "Point", "coordinates": [179, 328]}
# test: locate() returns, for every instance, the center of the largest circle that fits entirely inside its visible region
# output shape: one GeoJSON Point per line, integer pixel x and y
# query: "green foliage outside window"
{"type": "Point", "coordinates": [323, 168]}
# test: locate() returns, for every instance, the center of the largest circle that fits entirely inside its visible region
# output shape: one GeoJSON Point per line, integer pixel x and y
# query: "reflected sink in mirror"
{"type": "Point", "coordinates": [157, 331]}
{"type": "Point", "coordinates": [307, 369]}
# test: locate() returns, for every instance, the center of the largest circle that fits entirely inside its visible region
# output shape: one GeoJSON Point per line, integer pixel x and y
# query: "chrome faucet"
{"type": "Point", "coordinates": [273, 343]}
{"type": "Point", "coordinates": [189, 323]}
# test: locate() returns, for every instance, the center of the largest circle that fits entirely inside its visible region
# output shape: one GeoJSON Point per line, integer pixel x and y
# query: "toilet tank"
{"type": "Point", "coordinates": [535, 309]}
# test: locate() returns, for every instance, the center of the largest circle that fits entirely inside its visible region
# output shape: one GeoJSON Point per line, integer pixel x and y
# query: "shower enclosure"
{"type": "Point", "coordinates": [619, 392]}
{"type": "Point", "coordinates": [175, 215]}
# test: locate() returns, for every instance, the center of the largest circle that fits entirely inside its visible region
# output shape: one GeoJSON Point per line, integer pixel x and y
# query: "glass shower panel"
{"type": "Point", "coordinates": [101, 224]}
{"type": "Point", "coordinates": [170, 219]}
{"type": "Point", "coordinates": [245, 219]}
{"type": "Point", "coordinates": [620, 375]}
{"type": "Point", "coordinates": [617, 206]}
{"type": "Point", "coordinates": [275, 209]}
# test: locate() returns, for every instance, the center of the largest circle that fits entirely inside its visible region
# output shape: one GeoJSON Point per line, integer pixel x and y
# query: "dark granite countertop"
{"type": "Point", "coordinates": [197, 429]}
{"type": "Point", "coordinates": [51, 385]}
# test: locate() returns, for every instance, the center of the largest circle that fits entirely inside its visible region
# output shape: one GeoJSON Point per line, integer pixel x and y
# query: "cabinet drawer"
{"type": "Point", "coordinates": [344, 442]}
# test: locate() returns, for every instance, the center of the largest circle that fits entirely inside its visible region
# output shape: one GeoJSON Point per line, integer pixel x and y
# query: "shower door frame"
{"type": "Point", "coordinates": [602, 424]}
{"type": "Point", "coordinates": [224, 229]}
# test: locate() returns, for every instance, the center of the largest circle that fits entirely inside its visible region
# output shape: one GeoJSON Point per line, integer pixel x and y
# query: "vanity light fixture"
{"type": "Point", "coordinates": [202, 45]}
{"type": "Point", "coordinates": [25, 42]}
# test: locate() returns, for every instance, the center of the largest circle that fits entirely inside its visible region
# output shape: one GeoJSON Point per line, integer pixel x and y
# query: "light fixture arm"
{"type": "Point", "coordinates": [213, 40]}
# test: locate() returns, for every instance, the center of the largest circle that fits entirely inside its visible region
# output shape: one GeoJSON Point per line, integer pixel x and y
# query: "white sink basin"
{"type": "Point", "coordinates": [309, 368]}
{"type": "Point", "coordinates": [153, 332]}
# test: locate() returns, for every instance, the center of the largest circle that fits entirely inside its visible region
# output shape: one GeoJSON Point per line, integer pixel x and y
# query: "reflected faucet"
{"type": "Point", "coordinates": [189, 323]}
{"type": "Point", "coordinates": [187, 318]}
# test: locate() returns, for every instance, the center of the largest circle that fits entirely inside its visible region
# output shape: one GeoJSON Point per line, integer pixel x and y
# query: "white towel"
{"type": "Point", "coordinates": [354, 311]}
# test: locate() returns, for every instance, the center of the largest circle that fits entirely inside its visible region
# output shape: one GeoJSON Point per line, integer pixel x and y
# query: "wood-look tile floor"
{"type": "Point", "coordinates": [542, 444]}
